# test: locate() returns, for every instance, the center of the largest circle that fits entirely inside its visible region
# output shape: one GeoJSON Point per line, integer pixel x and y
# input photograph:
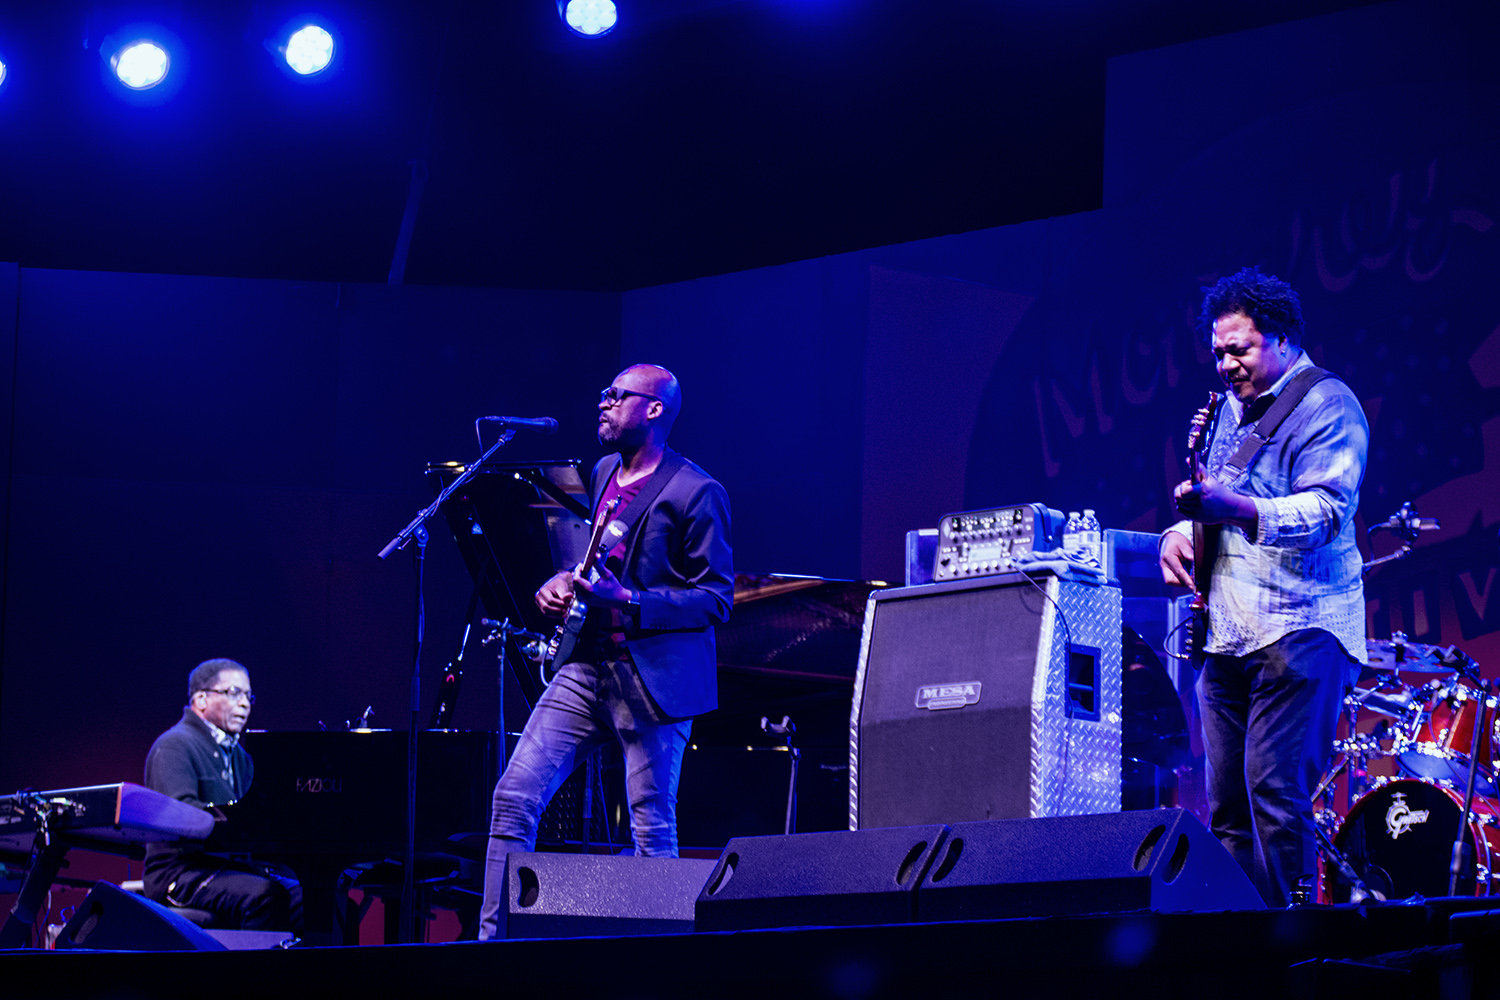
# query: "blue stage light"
{"type": "Point", "coordinates": [309, 50]}
{"type": "Point", "coordinates": [141, 64]}
{"type": "Point", "coordinates": [590, 18]}
{"type": "Point", "coordinates": [2, 72]}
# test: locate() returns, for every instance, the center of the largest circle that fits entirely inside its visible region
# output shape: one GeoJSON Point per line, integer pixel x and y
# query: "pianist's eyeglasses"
{"type": "Point", "coordinates": [233, 694]}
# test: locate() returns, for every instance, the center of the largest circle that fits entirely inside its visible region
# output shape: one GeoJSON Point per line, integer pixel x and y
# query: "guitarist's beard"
{"type": "Point", "coordinates": [621, 438]}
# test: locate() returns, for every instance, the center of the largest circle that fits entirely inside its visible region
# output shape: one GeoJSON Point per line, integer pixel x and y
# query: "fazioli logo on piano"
{"type": "Point", "coordinates": [315, 786]}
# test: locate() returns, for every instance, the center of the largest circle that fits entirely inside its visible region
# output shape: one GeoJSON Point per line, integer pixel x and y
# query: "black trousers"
{"type": "Point", "coordinates": [241, 895]}
{"type": "Point", "coordinates": [1269, 721]}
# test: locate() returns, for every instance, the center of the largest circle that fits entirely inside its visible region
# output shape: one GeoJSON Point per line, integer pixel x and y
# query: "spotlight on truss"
{"type": "Point", "coordinates": [589, 18]}
{"type": "Point", "coordinates": [309, 50]}
{"type": "Point", "coordinates": [141, 64]}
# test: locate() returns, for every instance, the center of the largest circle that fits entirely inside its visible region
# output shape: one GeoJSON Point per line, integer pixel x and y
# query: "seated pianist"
{"type": "Point", "coordinates": [200, 761]}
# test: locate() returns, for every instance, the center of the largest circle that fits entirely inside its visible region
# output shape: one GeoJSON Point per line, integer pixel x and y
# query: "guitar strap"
{"type": "Point", "coordinates": [1270, 421]}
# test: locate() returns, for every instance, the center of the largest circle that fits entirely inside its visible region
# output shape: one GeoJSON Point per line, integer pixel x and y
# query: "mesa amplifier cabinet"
{"type": "Point", "coordinates": [993, 698]}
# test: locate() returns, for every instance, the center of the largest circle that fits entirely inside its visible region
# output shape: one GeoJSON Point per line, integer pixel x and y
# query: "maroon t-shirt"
{"type": "Point", "coordinates": [615, 558]}
{"type": "Point", "coordinates": [610, 636]}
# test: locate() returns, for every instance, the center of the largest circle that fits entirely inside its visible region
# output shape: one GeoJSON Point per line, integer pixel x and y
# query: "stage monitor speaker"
{"type": "Point", "coordinates": [1158, 859]}
{"type": "Point", "coordinates": [840, 878]}
{"type": "Point", "coordinates": [978, 700]}
{"type": "Point", "coordinates": [111, 919]}
{"type": "Point", "coordinates": [595, 895]}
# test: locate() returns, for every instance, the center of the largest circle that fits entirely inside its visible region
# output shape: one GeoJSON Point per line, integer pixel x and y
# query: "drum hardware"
{"type": "Point", "coordinates": [1358, 890]}
{"type": "Point", "coordinates": [1396, 840]}
{"type": "Point", "coordinates": [1442, 736]}
{"type": "Point", "coordinates": [1406, 524]}
{"type": "Point", "coordinates": [1390, 697]}
{"type": "Point", "coordinates": [1477, 741]}
{"type": "Point", "coordinates": [1398, 655]}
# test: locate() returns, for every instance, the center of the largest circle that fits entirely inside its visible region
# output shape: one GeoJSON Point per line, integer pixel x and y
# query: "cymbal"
{"type": "Point", "coordinates": [1408, 657]}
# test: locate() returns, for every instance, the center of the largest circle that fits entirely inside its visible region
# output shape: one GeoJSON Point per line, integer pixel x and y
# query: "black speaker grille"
{"type": "Point", "coordinates": [919, 765]}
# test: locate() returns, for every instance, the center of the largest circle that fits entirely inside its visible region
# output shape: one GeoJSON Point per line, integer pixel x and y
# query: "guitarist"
{"type": "Point", "coordinates": [1286, 612]}
{"type": "Point", "coordinates": [645, 663]}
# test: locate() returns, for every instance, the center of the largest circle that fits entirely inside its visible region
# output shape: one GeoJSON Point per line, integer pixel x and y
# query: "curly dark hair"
{"type": "Point", "coordinates": [1267, 300]}
{"type": "Point", "coordinates": [206, 674]}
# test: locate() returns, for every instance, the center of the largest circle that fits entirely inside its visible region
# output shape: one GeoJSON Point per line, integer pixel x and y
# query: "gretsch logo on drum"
{"type": "Point", "coordinates": [938, 696]}
{"type": "Point", "coordinates": [1400, 817]}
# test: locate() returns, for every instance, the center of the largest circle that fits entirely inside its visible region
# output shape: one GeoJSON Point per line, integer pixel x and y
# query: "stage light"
{"type": "Point", "coordinates": [2, 72]}
{"type": "Point", "coordinates": [141, 65]}
{"type": "Point", "coordinates": [309, 50]}
{"type": "Point", "coordinates": [590, 18]}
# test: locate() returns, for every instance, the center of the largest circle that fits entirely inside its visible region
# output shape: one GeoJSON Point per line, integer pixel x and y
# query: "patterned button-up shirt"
{"type": "Point", "coordinates": [1303, 568]}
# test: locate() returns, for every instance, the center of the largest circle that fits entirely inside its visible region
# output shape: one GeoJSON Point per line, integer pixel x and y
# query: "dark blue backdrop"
{"type": "Point", "coordinates": [206, 467]}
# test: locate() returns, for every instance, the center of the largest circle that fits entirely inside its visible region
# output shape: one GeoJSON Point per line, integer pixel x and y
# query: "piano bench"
{"type": "Point", "coordinates": [202, 918]}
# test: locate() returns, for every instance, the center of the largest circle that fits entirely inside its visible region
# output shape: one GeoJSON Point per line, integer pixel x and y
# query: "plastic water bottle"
{"type": "Point", "coordinates": [1072, 536]}
{"type": "Point", "coordinates": [1090, 538]}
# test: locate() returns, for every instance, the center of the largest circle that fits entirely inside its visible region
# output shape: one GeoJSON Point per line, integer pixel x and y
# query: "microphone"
{"type": "Point", "coordinates": [542, 425]}
{"type": "Point", "coordinates": [1407, 522]}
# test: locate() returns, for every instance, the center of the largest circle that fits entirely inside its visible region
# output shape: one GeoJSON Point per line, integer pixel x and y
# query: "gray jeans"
{"type": "Point", "coordinates": [585, 705]}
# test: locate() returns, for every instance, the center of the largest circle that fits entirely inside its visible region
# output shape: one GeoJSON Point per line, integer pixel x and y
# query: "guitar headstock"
{"type": "Point", "coordinates": [1202, 420]}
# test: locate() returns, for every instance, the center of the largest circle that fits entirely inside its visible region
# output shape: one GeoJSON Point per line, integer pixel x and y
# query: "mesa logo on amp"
{"type": "Point", "coordinates": [939, 696]}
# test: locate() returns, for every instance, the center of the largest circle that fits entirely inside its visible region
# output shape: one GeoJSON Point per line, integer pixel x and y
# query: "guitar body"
{"type": "Point", "coordinates": [1205, 536]}
{"type": "Point", "coordinates": [565, 639]}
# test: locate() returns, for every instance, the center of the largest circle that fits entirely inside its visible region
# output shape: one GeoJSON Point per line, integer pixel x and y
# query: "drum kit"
{"type": "Point", "coordinates": [1420, 740]}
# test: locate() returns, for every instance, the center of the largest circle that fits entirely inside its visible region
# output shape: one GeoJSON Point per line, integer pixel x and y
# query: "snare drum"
{"type": "Point", "coordinates": [1399, 839]}
{"type": "Point", "coordinates": [1438, 733]}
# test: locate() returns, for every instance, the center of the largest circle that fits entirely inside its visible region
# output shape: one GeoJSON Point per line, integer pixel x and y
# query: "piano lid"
{"type": "Point", "coordinates": [804, 626]}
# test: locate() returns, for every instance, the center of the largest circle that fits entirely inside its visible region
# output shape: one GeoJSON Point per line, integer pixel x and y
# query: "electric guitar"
{"type": "Point", "coordinates": [1205, 536]}
{"type": "Point", "coordinates": [605, 536]}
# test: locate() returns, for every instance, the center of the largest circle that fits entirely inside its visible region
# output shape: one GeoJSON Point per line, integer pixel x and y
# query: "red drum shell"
{"type": "Point", "coordinates": [1438, 734]}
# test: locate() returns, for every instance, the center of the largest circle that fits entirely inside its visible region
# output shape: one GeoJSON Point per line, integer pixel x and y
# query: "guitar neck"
{"type": "Point", "coordinates": [596, 537]}
{"type": "Point", "coordinates": [1205, 536]}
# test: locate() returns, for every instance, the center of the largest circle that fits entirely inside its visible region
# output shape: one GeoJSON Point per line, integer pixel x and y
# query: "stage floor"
{"type": "Point", "coordinates": [1438, 948]}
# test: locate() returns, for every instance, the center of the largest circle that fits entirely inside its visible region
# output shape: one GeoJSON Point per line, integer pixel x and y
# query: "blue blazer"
{"type": "Point", "coordinates": [678, 558]}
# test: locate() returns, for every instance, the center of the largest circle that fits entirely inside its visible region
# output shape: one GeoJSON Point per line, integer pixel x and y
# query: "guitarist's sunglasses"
{"type": "Point", "coordinates": [612, 395]}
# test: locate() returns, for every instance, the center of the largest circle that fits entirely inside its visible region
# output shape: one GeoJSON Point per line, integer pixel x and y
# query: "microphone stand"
{"type": "Point", "coordinates": [1460, 849]}
{"type": "Point", "coordinates": [406, 534]}
{"type": "Point", "coordinates": [1406, 524]}
{"type": "Point", "coordinates": [1358, 890]}
{"type": "Point", "coordinates": [417, 529]}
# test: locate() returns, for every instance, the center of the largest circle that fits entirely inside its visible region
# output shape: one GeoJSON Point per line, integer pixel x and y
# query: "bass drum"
{"type": "Point", "coordinates": [1399, 839]}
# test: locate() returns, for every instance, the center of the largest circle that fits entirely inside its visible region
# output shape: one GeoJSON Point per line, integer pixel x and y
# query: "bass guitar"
{"type": "Point", "coordinates": [605, 536]}
{"type": "Point", "coordinates": [1205, 536]}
